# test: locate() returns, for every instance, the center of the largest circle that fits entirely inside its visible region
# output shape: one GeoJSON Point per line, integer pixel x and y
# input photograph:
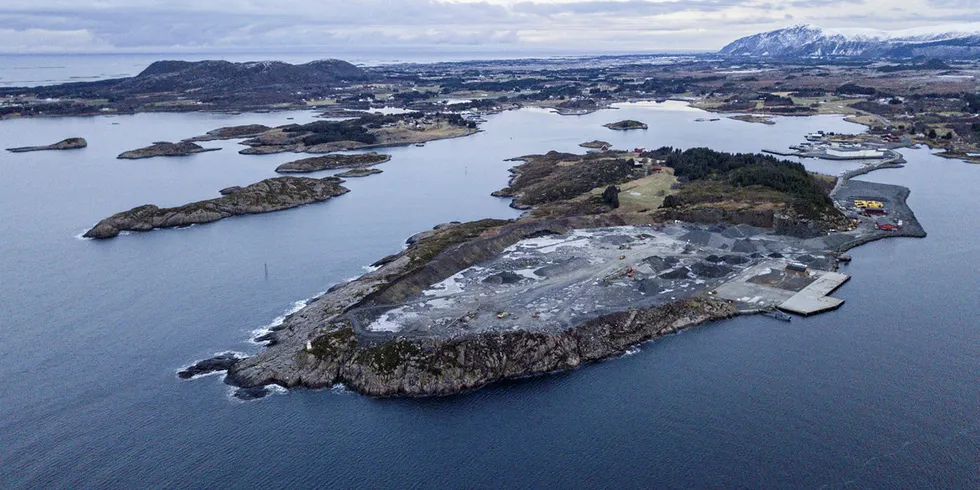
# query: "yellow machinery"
{"type": "Point", "coordinates": [866, 204]}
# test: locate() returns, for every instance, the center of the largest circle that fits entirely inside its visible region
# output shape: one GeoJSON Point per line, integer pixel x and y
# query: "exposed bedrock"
{"type": "Point", "coordinates": [435, 366]}
{"type": "Point", "coordinates": [165, 149]}
{"type": "Point", "coordinates": [261, 197]}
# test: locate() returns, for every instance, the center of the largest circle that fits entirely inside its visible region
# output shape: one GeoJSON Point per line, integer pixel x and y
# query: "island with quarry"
{"type": "Point", "coordinates": [615, 248]}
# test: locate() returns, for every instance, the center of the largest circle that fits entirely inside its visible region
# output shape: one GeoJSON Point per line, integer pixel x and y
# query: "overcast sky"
{"type": "Point", "coordinates": [532, 26]}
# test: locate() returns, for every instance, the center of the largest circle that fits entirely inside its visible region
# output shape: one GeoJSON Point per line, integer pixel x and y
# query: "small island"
{"type": "Point", "coordinates": [332, 162]}
{"type": "Point", "coordinates": [165, 149]}
{"type": "Point", "coordinates": [753, 118]}
{"type": "Point", "coordinates": [359, 172]}
{"type": "Point", "coordinates": [261, 197]}
{"type": "Point", "coordinates": [66, 144]}
{"type": "Point", "coordinates": [596, 144]}
{"type": "Point", "coordinates": [626, 125]}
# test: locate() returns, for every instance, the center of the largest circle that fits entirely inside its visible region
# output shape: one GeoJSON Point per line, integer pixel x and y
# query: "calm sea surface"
{"type": "Point", "coordinates": [884, 392]}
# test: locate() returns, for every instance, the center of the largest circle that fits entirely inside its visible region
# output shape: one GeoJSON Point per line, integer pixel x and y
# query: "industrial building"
{"type": "Point", "coordinates": [855, 153]}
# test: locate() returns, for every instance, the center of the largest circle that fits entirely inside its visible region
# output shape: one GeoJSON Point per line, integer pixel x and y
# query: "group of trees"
{"type": "Point", "coordinates": [330, 131]}
{"type": "Point", "coordinates": [854, 89]}
{"type": "Point", "coordinates": [746, 170]}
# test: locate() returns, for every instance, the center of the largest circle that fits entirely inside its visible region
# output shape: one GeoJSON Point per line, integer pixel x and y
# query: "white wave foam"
{"type": "Point", "coordinates": [275, 389]}
{"type": "Point", "coordinates": [632, 351]}
{"type": "Point", "coordinates": [81, 236]}
{"type": "Point", "coordinates": [205, 375]}
{"type": "Point", "coordinates": [267, 328]}
{"type": "Point", "coordinates": [234, 353]}
{"type": "Point", "coordinates": [339, 389]}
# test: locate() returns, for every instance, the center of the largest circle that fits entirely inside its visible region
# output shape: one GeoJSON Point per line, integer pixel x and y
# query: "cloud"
{"type": "Point", "coordinates": [44, 40]}
{"type": "Point", "coordinates": [529, 25]}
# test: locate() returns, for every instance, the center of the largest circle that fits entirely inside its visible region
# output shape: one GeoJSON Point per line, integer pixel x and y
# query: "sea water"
{"type": "Point", "coordinates": [881, 393]}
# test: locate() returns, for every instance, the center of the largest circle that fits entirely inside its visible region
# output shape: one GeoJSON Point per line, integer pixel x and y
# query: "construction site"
{"type": "Point", "coordinates": [555, 282]}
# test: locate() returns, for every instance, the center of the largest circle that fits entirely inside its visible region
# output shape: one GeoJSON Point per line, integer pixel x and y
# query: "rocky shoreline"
{"type": "Point", "coordinates": [359, 172]}
{"type": "Point", "coordinates": [432, 367]}
{"type": "Point", "coordinates": [262, 197]}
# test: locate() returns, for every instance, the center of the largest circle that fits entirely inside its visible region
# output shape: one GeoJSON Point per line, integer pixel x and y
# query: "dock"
{"type": "Point", "coordinates": [774, 285]}
{"type": "Point", "coordinates": [815, 298]}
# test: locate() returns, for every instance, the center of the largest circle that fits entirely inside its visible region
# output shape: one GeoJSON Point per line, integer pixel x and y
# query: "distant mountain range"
{"type": "Point", "coordinates": [809, 41]}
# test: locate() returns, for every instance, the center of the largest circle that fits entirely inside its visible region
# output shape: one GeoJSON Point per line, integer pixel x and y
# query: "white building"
{"type": "Point", "coordinates": [855, 153]}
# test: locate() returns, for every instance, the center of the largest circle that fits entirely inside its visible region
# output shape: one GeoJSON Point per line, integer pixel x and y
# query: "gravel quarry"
{"type": "Point", "coordinates": [554, 282]}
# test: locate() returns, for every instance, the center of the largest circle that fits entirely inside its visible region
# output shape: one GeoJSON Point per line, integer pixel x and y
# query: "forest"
{"type": "Point", "coordinates": [747, 170]}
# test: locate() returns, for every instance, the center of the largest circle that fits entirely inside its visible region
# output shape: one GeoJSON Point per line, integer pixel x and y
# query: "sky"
{"type": "Point", "coordinates": [516, 26]}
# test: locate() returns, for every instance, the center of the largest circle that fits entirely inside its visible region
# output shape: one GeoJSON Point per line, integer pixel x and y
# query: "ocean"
{"type": "Point", "coordinates": [881, 393]}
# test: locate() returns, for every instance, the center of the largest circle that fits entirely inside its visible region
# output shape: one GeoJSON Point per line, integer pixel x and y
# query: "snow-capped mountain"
{"type": "Point", "coordinates": [809, 41]}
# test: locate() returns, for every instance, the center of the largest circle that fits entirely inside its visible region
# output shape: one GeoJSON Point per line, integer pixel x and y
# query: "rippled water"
{"type": "Point", "coordinates": [882, 392]}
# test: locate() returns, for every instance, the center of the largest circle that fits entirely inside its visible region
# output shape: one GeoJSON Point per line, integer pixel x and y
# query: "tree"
{"type": "Point", "coordinates": [932, 134]}
{"type": "Point", "coordinates": [948, 136]}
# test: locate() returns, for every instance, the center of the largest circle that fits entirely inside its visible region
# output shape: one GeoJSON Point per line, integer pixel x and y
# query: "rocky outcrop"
{"type": "Point", "coordinates": [359, 172]}
{"type": "Point", "coordinates": [232, 132]}
{"type": "Point", "coordinates": [595, 144]}
{"type": "Point", "coordinates": [560, 177]}
{"type": "Point", "coordinates": [220, 362]}
{"type": "Point", "coordinates": [429, 367]}
{"type": "Point", "coordinates": [66, 144]}
{"type": "Point", "coordinates": [262, 197]}
{"type": "Point", "coordinates": [230, 190]}
{"type": "Point", "coordinates": [165, 149]}
{"type": "Point", "coordinates": [330, 162]}
{"type": "Point", "coordinates": [625, 125]}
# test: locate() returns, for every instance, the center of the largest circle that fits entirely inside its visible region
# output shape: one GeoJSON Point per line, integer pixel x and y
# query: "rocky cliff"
{"type": "Point", "coordinates": [262, 197]}
{"type": "Point", "coordinates": [427, 367]}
